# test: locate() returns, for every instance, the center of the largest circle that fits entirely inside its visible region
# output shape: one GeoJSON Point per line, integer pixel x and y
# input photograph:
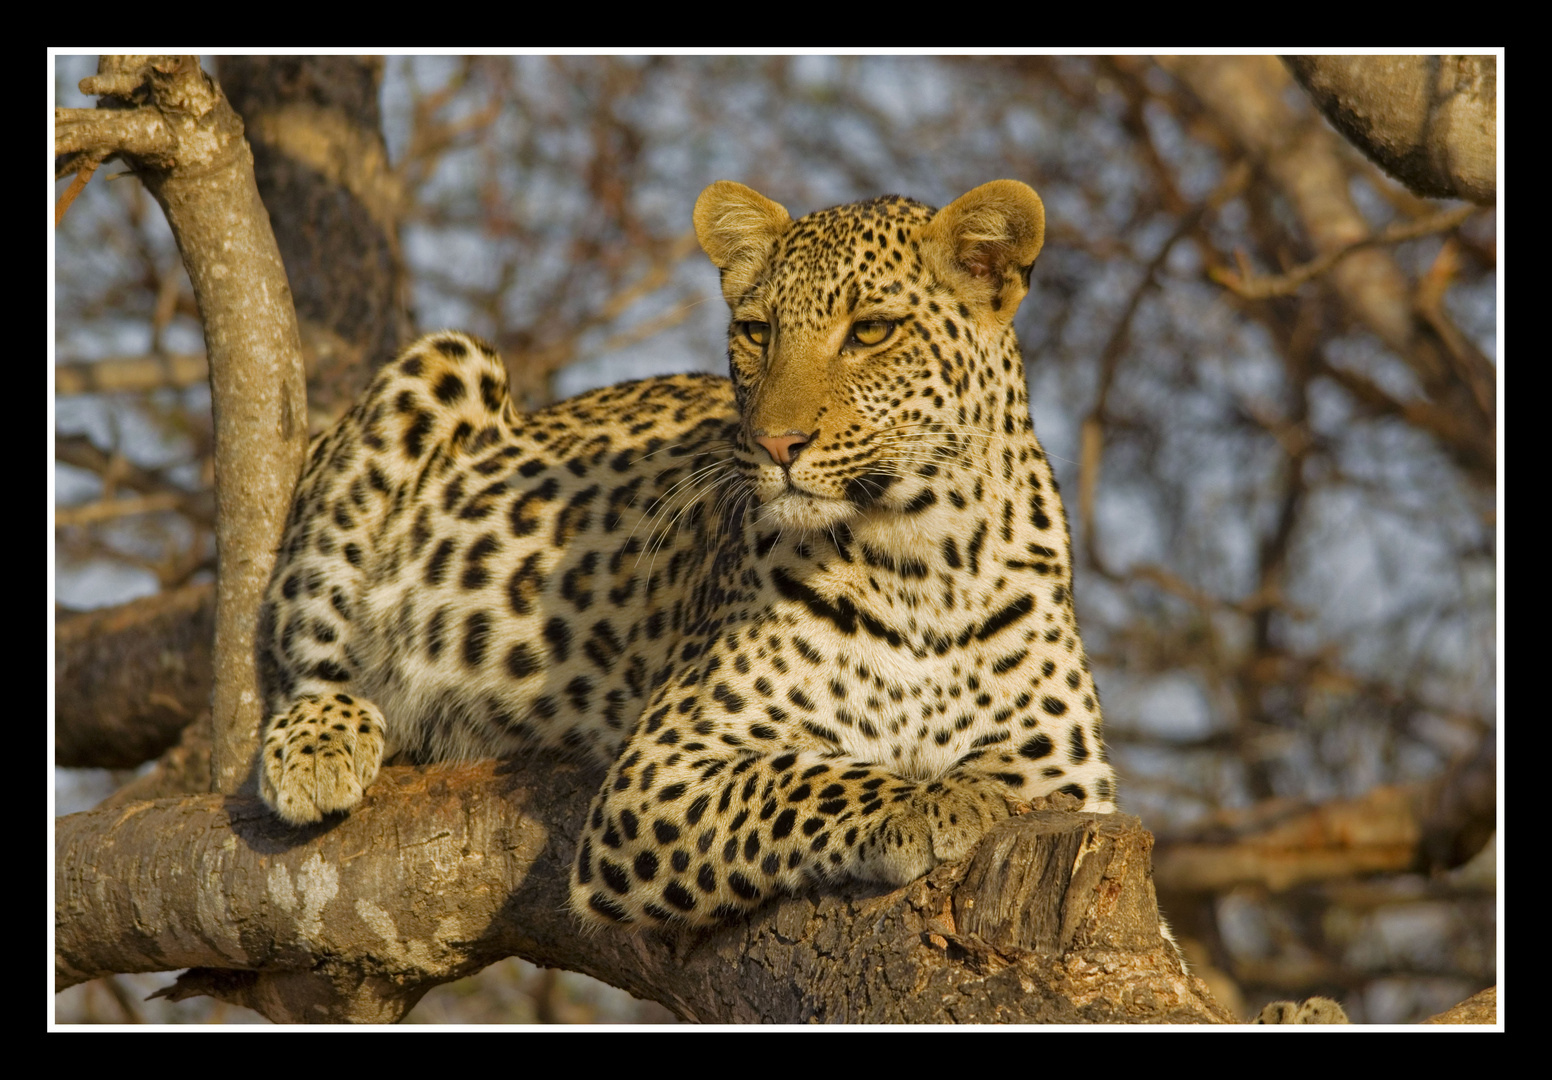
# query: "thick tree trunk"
{"type": "Point", "coordinates": [322, 169]}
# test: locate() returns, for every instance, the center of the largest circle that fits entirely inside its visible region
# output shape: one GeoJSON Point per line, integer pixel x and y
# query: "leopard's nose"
{"type": "Point", "coordinates": [784, 448]}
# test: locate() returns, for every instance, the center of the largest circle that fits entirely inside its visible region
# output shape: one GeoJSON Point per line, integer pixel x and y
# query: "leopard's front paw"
{"type": "Point", "coordinates": [961, 813]}
{"type": "Point", "coordinates": [941, 822]}
{"type": "Point", "coordinates": [320, 755]}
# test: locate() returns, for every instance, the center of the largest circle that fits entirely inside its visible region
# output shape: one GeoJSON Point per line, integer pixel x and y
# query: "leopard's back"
{"type": "Point", "coordinates": [492, 579]}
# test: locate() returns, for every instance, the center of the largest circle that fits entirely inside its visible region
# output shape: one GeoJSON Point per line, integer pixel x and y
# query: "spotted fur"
{"type": "Point", "coordinates": [816, 619]}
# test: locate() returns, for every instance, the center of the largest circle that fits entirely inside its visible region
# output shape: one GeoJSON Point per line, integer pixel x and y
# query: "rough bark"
{"type": "Point", "coordinates": [1429, 121]}
{"type": "Point", "coordinates": [322, 170]}
{"type": "Point", "coordinates": [1478, 1009]}
{"type": "Point", "coordinates": [175, 130]}
{"type": "Point", "coordinates": [445, 869]}
{"type": "Point", "coordinates": [128, 679]}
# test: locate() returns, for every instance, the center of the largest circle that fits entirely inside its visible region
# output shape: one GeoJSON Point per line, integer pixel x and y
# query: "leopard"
{"type": "Point", "coordinates": [813, 619]}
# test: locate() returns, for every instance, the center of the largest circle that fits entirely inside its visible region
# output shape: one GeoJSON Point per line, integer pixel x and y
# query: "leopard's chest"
{"type": "Point", "coordinates": [857, 671]}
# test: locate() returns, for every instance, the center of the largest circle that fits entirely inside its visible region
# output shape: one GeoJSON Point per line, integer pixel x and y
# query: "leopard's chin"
{"type": "Point", "coordinates": [799, 511]}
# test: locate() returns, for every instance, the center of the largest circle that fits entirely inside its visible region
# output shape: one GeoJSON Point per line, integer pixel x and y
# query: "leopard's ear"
{"type": "Point", "coordinates": [736, 226]}
{"type": "Point", "coordinates": [987, 240]}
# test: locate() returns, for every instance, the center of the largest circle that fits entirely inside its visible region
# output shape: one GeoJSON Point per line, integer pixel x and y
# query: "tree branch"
{"type": "Point", "coordinates": [1280, 843]}
{"type": "Point", "coordinates": [128, 679]}
{"type": "Point", "coordinates": [1261, 288]}
{"type": "Point", "coordinates": [1429, 121]}
{"type": "Point", "coordinates": [176, 131]}
{"type": "Point", "coordinates": [133, 373]}
{"type": "Point", "coordinates": [445, 869]}
{"type": "Point", "coordinates": [1478, 1009]}
{"type": "Point", "coordinates": [139, 132]}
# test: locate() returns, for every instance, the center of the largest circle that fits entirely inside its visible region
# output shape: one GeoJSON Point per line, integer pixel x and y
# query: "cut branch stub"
{"type": "Point", "coordinates": [1059, 882]}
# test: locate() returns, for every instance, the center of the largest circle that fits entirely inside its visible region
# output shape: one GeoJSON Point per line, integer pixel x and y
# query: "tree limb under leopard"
{"type": "Point", "coordinates": [444, 869]}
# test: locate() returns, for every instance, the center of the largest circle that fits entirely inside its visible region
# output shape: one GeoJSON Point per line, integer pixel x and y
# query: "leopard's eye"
{"type": "Point", "coordinates": [872, 331]}
{"type": "Point", "coordinates": [757, 332]}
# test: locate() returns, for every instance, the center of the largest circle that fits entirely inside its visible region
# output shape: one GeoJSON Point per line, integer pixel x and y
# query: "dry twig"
{"type": "Point", "coordinates": [1262, 288]}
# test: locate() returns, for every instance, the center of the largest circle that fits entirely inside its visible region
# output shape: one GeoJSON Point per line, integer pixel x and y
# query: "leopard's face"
{"type": "Point", "coordinates": [861, 374]}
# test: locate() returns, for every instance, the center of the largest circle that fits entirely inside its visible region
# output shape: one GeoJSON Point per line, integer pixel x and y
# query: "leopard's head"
{"type": "Point", "coordinates": [871, 345]}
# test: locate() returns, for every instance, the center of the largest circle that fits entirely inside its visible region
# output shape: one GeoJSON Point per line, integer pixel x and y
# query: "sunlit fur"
{"type": "Point", "coordinates": [813, 620]}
